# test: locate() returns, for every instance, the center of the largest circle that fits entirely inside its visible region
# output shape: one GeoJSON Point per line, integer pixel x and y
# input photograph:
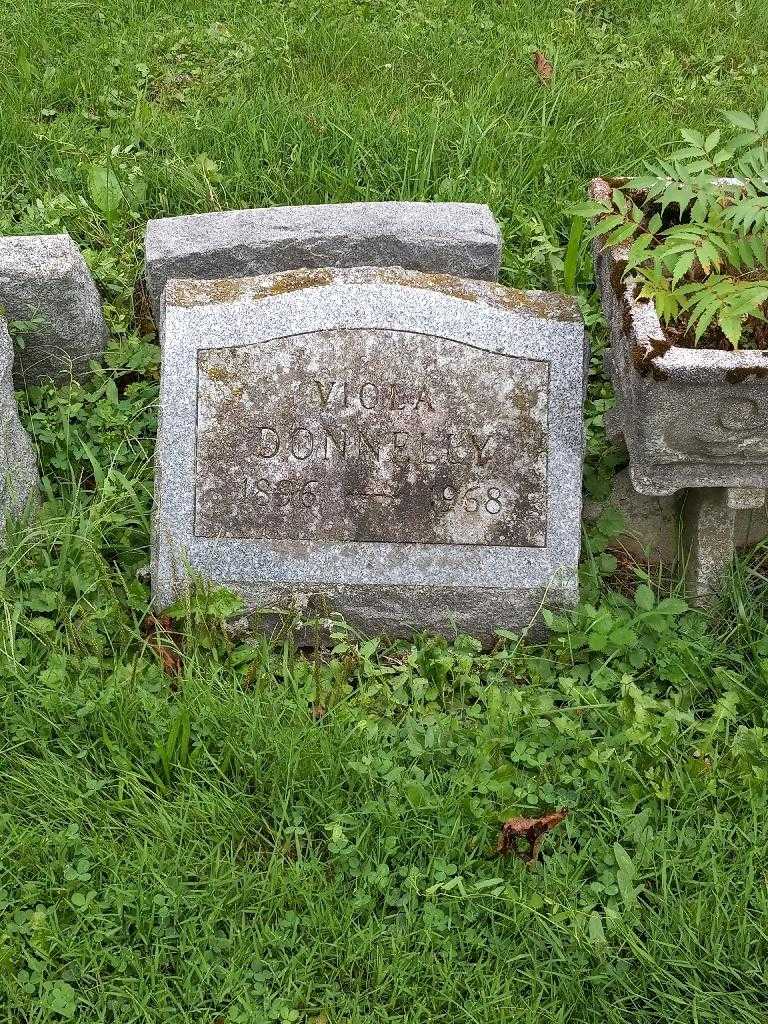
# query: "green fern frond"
{"type": "Point", "coordinates": [711, 265]}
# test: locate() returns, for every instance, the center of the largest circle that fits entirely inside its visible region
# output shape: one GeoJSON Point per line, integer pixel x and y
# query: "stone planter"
{"type": "Point", "coordinates": [692, 419]}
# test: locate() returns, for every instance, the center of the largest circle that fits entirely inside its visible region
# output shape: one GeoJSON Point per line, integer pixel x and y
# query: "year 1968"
{"type": "Point", "coordinates": [474, 498]}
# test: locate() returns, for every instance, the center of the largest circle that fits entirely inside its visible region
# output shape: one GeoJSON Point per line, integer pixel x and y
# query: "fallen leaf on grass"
{"type": "Point", "coordinates": [530, 829]}
{"type": "Point", "coordinates": [543, 68]}
{"type": "Point", "coordinates": [160, 636]}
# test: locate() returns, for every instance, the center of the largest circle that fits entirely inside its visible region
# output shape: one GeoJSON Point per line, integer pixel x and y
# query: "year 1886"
{"type": "Point", "coordinates": [281, 493]}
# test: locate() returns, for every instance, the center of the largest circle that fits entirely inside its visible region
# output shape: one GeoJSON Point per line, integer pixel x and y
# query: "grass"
{"type": "Point", "coordinates": [269, 836]}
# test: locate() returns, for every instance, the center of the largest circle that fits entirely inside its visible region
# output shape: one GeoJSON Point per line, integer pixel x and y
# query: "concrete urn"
{"type": "Point", "coordinates": [693, 420]}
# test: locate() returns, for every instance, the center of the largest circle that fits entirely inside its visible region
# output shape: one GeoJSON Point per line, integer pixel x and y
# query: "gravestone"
{"type": "Point", "coordinates": [19, 479]}
{"type": "Point", "coordinates": [403, 448]}
{"type": "Point", "coordinates": [44, 278]}
{"type": "Point", "coordinates": [447, 238]}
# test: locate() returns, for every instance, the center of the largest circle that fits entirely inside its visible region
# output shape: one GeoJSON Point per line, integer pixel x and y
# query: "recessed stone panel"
{"type": "Point", "coordinates": [371, 435]}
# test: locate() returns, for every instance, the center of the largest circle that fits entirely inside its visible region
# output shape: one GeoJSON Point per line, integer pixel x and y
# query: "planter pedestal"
{"type": "Point", "coordinates": [709, 536]}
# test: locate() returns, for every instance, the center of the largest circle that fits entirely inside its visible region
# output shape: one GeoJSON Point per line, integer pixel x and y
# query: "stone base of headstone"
{"type": "Point", "coordinates": [461, 239]}
{"type": "Point", "coordinates": [375, 610]}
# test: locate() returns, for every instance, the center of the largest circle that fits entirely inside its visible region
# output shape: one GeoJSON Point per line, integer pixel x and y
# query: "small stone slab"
{"type": "Point", "coordinates": [449, 238]}
{"type": "Point", "coordinates": [403, 448]}
{"type": "Point", "coordinates": [746, 498]}
{"type": "Point", "coordinates": [46, 277]}
{"type": "Point", "coordinates": [19, 480]}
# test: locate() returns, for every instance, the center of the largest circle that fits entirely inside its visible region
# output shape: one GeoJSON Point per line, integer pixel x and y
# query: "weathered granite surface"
{"type": "Point", "coordinates": [404, 448]}
{"type": "Point", "coordinates": [690, 417]}
{"type": "Point", "coordinates": [46, 276]}
{"type": "Point", "coordinates": [19, 480]}
{"type": "Point", "coordinates": [450, 238]}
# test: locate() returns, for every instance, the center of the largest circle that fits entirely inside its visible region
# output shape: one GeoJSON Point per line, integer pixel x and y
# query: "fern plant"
{"type": "Point", "coordinates": [697, 224]}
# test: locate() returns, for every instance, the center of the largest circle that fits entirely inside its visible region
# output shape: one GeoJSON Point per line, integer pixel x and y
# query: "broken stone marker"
{"type": "Point", "coordinates": [19, 480]}
{"type": "Point", "coordinates": [651, 529]}
{"type": "Point", "coordinates": [403, 448]}
{"type": "Point", "coordinates": [446, 238]}
{"type": "Point", "coordinates": [44, 278]}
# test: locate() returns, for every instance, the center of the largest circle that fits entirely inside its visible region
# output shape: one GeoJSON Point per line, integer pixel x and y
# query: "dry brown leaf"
{"type": "Point", "coordinates": [531, 829]}
{"type": "Point", "coordinates": [160, 636]}
{"type": "Point", "coordinates": [543, 68]}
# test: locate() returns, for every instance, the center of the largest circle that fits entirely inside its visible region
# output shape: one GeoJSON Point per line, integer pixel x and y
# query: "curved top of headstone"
{"type": "Point", "coordinates": [531, 304]}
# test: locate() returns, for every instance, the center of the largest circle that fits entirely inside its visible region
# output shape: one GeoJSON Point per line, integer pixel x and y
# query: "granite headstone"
{"type": "Point", "coordinates": [45, 281]}
{"type": "Point", "coordinates": [446, 238]}
{"type": "Point", "coordinates": [403, 448]}
{"type": "Point", "coordinates": [19, 479]}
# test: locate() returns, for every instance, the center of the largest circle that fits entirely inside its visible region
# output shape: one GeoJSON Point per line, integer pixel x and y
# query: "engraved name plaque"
{"type": "Point", "coordinates": [371, 435]}
{"type": "Point", "coordinates": [402, 448]}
